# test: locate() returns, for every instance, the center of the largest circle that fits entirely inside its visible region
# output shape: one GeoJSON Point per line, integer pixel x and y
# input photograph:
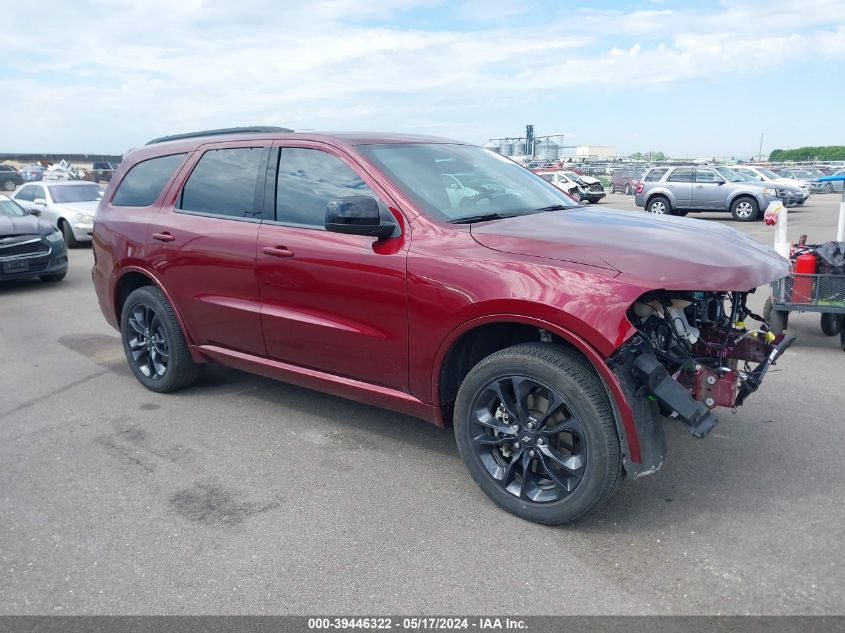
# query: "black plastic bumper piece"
{"type": "Point", "coordinates": [698, 418]}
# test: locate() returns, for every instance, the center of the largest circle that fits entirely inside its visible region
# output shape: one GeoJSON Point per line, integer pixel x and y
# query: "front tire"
{"type": "Point", "coordinates": [535, 429]}
{"type": "Point", "coordinates": [828, 188]}
{"type": "Point", "coordinates": [9, 185]}
{"type": "Point", "coordinates": [67, 233]}
{"type": "Point", "coordinates": [154, 343]}
{"type": "Point", "coordinates": [745, 209]}
{"type": "Point", "coordinates": [53, 277]}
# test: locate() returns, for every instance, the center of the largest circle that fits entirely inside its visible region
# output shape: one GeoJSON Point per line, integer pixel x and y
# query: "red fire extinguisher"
{"type": "Point", "coordinates": [802, 287]}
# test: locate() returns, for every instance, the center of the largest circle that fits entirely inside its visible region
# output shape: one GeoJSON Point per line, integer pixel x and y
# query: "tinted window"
{"type": "Point", "coordinates": [706, 175]}
{"type": "Point", "coordinates": [26, 194]}
{"type": "Point", "coordinates": [681, 175]}
{"type": "Point", "coordinates": [6, 168]}
{"type": "Point", "coordinates": [144, 182]}
{"type": "Point", "coordinates": [38, 194]}
{"type": "Point", "coordinates": [223, 182]}
{"type": "Point", "coordinates": [308, 179]}
{"type": "Point", "coordinates": [655, 174]}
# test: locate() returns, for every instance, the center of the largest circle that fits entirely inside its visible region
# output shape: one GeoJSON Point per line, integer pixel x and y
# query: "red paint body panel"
{"type": "Point", "coordinates": [373, 320]}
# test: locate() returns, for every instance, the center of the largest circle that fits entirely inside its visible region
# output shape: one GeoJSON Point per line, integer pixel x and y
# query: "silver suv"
{"type": "Point", "coordinates": [679, 190]}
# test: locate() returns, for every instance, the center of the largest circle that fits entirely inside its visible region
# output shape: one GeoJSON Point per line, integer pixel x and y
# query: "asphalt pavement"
{"type": "Point", "coordinates": [243, 495]}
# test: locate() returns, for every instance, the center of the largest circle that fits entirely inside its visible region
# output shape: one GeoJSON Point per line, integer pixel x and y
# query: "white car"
{"type": "Point", "coordinates": [767, 175]}
{"type": "Point", "coordinates": [67, 205]}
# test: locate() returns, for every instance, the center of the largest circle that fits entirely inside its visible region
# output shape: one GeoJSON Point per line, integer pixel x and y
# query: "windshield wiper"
{"type": "Point", "coordinates": [471, 219]}
{"type": "Point", "coordinates": [552, 207]}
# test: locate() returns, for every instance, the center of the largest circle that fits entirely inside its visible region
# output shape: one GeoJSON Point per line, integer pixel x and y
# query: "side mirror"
{"type": "Point", "coordinates": [35, 212]}
{"type": "Point", "coordinates": [720, 182]}
{"type": "Point", "coordinates": [357, 215]}
{"type": "Point", "coordinates": [40, 202]}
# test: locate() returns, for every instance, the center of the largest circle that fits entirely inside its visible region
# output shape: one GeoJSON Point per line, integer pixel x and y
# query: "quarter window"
{"type": "Point", "coordinates": [655, 174]}
{"type": "Point", "coordinates": [681, 175]}
{"type": "Point", "coordinates": [307, 180]}
{"type": "Point", "coordinates": [143, 184]}
{"type": "Point", "coordinates": [223, 182]}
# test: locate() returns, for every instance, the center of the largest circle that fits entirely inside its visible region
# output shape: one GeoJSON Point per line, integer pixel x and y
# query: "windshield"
{"type": "Point", "coordinates": [455, 182]}
{"type": "Point", "coordinates": [11, 209]}
{"type": "Point", "coordinates": [768, 173]}
{"type": "Point", "coordinates": [76, 193]}
{"type": "Point", "coordinates": [730, 175]}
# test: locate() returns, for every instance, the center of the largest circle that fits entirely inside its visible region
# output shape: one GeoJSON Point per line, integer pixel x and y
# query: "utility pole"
{"type": "Point", "coordinates": [760, 152]}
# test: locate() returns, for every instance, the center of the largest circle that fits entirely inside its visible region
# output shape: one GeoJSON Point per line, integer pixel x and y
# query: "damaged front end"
{"type": "Point", "coordinates": [692, 352]}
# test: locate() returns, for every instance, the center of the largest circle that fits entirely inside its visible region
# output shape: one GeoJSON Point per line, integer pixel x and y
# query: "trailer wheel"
{"type": "Point", "coordinates": [831, 323]}
{"type": "Point", "coordinates": [778, 320]}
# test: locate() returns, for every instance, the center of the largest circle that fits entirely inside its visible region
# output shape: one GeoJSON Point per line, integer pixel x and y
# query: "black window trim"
{"type": "Point", "coordinates": [258, 208]}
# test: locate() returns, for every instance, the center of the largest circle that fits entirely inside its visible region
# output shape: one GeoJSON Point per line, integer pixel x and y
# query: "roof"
{"type": "Point", "coordinates": [278, 133]}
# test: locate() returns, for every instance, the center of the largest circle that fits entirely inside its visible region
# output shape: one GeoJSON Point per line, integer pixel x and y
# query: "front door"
{"type": "Point", "coordinates": [331, 302]}
{"type": "Point", "coordinates": [203, 246]}
{"type": "Point", "coordinates": [710, 190]}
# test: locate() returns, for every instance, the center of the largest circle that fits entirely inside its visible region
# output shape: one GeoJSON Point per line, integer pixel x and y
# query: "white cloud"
{"type": "Point", "coordinates": [121, 75]}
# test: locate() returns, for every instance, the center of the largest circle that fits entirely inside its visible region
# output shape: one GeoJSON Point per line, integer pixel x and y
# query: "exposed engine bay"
{"type": "Point", "coordinates": [694, 351]}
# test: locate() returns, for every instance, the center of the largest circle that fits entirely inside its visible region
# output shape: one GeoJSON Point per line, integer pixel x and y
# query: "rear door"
{"type": "Point", "coordinates": [680, 182]}
{"type": "Point", "coordinates": [331, 302]}
{"type": "Point", "coordinates": [710, 190]}
{"type": "Point", "coordinates": [202, 244]}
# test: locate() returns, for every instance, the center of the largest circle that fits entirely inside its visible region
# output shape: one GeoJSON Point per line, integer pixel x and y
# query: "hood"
{"type": "Point", "coordinates": [27, 225]}
{"type": "Point", "coordinates": [88, 207]}
{"type": "Point", "coordinates": [799, 184]}
{"type": "Point", "coordinates": [589, 180]}
{"type": "Point", "coordinates": [649, 250]}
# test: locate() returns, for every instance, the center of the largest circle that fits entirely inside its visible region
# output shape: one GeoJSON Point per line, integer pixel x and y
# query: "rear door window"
{"type": "Point", "coordinates": [681, 175]}
{"type": "Point", "coordinates": [145, 181]}
{"type": "Point", "coordinates": [224, 183]}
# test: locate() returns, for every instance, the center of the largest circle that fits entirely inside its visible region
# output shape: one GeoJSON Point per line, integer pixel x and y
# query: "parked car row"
{"type": "Point", "coordinates": [578, 187]}
{"type": "Point", "coordinates": [11, 178]}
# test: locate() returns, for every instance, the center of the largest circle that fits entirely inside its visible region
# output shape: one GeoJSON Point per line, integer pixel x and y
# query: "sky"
{"type": "Point", "coordinates": [689, 78]}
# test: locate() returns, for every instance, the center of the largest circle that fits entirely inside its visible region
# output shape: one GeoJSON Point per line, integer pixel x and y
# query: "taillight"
{"type": "Point", "coordinates": [639, 187]}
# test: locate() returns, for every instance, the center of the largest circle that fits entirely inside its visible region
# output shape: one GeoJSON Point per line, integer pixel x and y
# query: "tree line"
{"type": "Point", "coordinates": [811, 152]}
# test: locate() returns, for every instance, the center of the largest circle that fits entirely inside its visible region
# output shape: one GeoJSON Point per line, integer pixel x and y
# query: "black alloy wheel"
{"type": "Point", "coordinates": [536, 431]}
{"type": "Point", "coordinates": [529, 442]}
{"type": "Point", "coordinates": [154, 344]}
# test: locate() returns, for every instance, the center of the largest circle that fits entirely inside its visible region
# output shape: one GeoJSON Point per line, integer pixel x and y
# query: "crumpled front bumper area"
{"type": "Point", "coordinates": [690, 356]}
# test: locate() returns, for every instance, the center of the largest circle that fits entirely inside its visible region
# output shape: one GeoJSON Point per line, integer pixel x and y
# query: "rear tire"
{"type": "Point", "coordinates": [154, 343]}
{"type": "Point", "coordinates": [540, 409]}
{"type": "Point", "coordinates": [9, 185]}
{"type": "Point", "coordinates": [831, 323]}
{"type": "Point", "coordinates": [628, 190]}
{"type": "Point", "coordinates": [745, 209]}
{"type": "Point", "coordinates": [659, 206]}
{"type": "Point", "coordinates": [778, 320]}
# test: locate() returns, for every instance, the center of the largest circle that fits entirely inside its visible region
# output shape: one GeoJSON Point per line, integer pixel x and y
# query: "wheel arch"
{"type": "Point", "coordinates": [469, 343]}
{"type": "Point", "coordinates": [132, 278]}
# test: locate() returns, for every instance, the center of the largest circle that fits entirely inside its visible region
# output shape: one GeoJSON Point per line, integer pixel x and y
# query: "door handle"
{"type": "Point", "coordinates": [163, 237]}
{"type": "Point", "coordinates": [277, 251]}
{"type": "Point", "coordinates": [699, 187]}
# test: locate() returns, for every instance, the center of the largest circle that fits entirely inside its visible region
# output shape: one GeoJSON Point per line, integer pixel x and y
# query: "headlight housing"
{"type": "Point", "coordinates": [769, 191]}
{"type": "Point", "coordinates": [84, 218]}
{"type": "Point", "coordinates": [55, 236]}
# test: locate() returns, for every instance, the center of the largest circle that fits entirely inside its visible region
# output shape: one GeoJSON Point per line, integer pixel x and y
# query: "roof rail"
{"type": "Point", "coordinates": [252, 129]}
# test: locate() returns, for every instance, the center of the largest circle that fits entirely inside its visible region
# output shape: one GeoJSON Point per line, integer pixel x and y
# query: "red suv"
{"type": "Point", "coordinates": [552, 337]}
